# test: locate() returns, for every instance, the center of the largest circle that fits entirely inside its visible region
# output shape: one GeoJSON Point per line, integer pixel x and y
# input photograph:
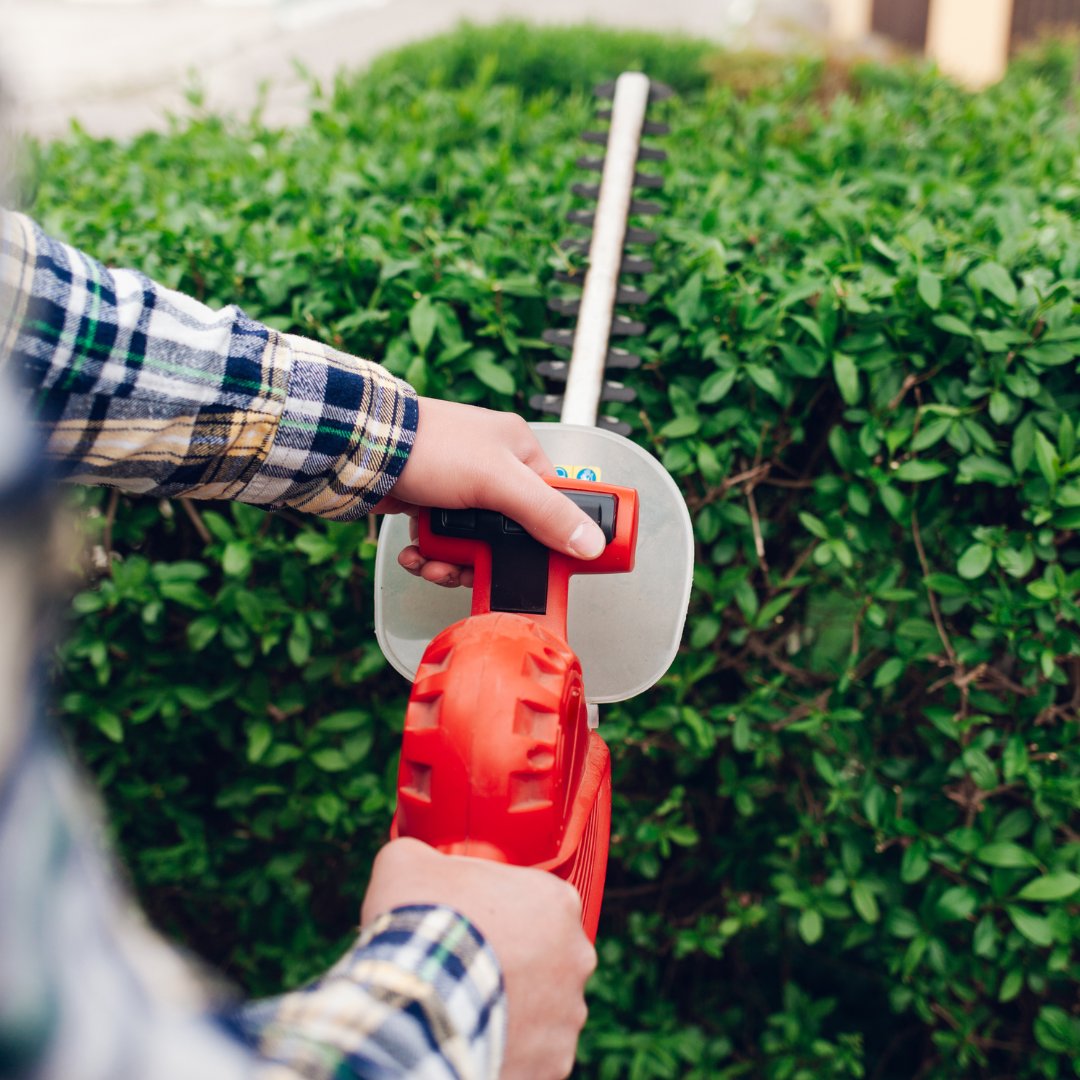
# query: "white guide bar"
{"type": "Point", "coordinates": [581, 402]}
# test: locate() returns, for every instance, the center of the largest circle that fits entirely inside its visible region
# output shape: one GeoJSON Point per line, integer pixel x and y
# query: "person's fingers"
{"type": "Point", "coordinates": [444, 573]}
{"type": "Point", "coordinates": [547, 514]}
{"type": "Point", "coordinates": [441, 573]}
{"type": "Point", "coordinates": [410, 559]}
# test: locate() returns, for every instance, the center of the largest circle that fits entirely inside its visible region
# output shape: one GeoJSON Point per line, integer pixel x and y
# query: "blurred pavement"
{"type": "Point", "coordinates": [119, 66]}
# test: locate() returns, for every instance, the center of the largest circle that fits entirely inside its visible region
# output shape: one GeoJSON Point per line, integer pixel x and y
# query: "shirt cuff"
{"type": "Point", "coordinates": [419, 995]}
{"type": "Point", "coordinates": [343, 437]}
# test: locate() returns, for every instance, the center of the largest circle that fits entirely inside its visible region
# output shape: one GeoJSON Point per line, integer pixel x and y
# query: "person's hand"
{"type": "Point", "coordinates": [531, 919]}
{"type": "Point", "coordinates": [465, 457]}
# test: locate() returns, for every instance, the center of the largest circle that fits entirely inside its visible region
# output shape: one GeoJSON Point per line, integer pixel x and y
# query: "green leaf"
{"type": "Point", "coordinates": [1000, 407]}
{"type": "Point", "coordinates": [811, 926]}
{"type": "Point", "coordinates": [109, 724]}
{"type": "Point", "coordinates": [1034, 927]}
{"type": "Point", "coordinates": [1042, 590]}
{"type": "Point", "coordinates": [847, 377]}
{"type": "Point", "coordinates": [299, 643]}
{"type": "Point", "coordinates": [1047, 458]}
{"type": "Point", "coordinates": [952, 325]}
{"type": "Point", "coordinates": [916, 471]}
{"type": "Point", "coordinates": [330, 760]}
{"type": "Point", "coordinates": [422, 320]}
{"type": "Point", "coordinates": [716, 386]}
{"type": "Point", "coordinates": [686, 301]}
{"type": "Point", "coordinates": [236, 560]}
{"type": "Point", "coordinates": [814, 525]}
{"type": "Point", "coordinates": [888, 672]}
{"type": "Point", "coordinates": [1023, 445]}
{"type": "Point", "coordinates": [329, 807]}
{"type": "Point", "coordinates": [346, 720]}
{"type": "Point", "coordinates": [680, 427]}
{"type": "Point", "coordinates": [260, 736]}
{"type": "Point", "coordinates": [1005, 854]}
{"type": "Point", "coordinates": [1058, 886]}
{"type": "Point", "coordinates": [765, 379]}
{"type": "Point", "coordinates": [1011, 985]}
{"type": "Point", "coordinates": [202, 631]}
{"type": "Point", "coordinates": [491, 373]}
{"type": "Point", "coordinates": [865, 902]}
{"type": "Point", "coordinates": [929, 287]}
{"type": "Point", "coordinates": [915, 864]}
{"type": "Point", "coordinates": [995, 279]}
{"type": "Point", "coordinates": [975, 561]}
{"type": "Point", "coordinates": [957, 902]}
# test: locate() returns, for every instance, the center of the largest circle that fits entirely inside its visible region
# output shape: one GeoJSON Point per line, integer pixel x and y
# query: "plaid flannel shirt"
{"type": "Point", "coordinates": [144, 389]}
{"type": "Point", "coordinates": [139, 387]}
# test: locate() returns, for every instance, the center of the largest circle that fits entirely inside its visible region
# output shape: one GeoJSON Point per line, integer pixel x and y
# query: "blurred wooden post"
{"type": "Point", "coordinates": [849, 20]}
{"type": "Point", "coordinates": [969, 39]}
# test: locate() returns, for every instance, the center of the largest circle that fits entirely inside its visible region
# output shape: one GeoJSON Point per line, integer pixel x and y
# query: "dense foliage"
{"type": "Point", "coordinates": [845, 838]}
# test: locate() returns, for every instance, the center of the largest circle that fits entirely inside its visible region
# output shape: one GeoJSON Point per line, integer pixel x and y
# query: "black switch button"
{"type": "Point", "coordinates": [599, 506]}
{"type": "Point", "coordinates": [459, 520]}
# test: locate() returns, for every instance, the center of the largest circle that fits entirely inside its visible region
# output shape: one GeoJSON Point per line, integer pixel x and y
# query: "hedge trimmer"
{"type": "Point", "coordinates": [500, 758]}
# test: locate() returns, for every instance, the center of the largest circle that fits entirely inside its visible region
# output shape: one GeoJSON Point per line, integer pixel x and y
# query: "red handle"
{"type": "Point", "coordinates": [497, 547]}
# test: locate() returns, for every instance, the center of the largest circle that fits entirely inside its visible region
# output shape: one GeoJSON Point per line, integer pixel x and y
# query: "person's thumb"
{"type": "Point", "coordinates": [545, 513]}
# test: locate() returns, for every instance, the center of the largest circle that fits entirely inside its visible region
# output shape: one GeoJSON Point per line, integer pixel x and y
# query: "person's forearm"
{"type": "Point", "coordinates": [146, 389]}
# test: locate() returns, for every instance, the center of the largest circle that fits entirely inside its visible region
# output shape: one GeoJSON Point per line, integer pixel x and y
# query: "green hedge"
{"type": "Point", "coordinates": [846, 834]}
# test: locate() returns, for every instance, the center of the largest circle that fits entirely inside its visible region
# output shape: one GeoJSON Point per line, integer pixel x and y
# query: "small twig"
{"type": "Point", "coordinates": [196, 520]}
{"type": "Point", "coordinates": [942, 633]}
{"type": "Point", "coordinates": [755, 523]}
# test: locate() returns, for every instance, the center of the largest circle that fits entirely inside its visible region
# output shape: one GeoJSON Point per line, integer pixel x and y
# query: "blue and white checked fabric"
{"type": "Point", "coordinates": [147, 390]}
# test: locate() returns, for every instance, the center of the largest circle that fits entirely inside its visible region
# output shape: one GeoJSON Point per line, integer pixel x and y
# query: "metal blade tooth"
{"type": "Point", "coordinates": [571, 277]}
{"type": "Point", "coordinates": [581, 217]}
{"type": "Point", "coordinates": [651, 153]}
{"type": "Point", "coordinates": [648, 180]}
{"type": "Point", "coordinates": [564, 338]}
{"type": "Point", "coordinates": [621, 326]}
{"type": "Point", "coordinates": [628, 295]}
{"type": "Point", "coordinates": [547, 403]}
{"type": "Point", "coordinates": [611, 423]}
{"type": "Point", "coordinates": [643, 206]}
{"type": "Point", "coordinates": [597, 138]}
{"type": "Point", "coordinates": [615, 391]}
{"type": "Point", "coordinates": [572, 244]}
{"type": "Point", "coordinates": [641, 236]}
{"type": "Point", "coordinates": [622, 359]}
{"type": "Point", "coordinates": [594, 163]}
{"type": "Point", "coordinates": [555, 370]}
{"type": "Point", "coordinates": [650, 127]}
{"type": "Point", "coordinates": [564, 307]}
{"type": "Point", "coordinates": [586, 191]}
{"type": "Point", "coordinates": [633, 264]}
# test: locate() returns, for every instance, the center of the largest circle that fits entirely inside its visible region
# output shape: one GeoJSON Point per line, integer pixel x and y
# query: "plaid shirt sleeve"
{"type": "Point", "coordinates": [419, 996]}
{"type": "Point", "coordinates": [147, 390]}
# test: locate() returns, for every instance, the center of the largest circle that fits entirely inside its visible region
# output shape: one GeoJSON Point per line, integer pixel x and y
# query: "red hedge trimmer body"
{"type": "Point", "coordinates": [497, 759]}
